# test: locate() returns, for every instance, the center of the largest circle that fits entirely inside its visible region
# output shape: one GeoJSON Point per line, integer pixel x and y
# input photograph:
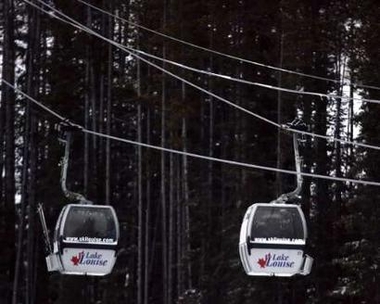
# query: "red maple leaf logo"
{"type": "Point", "coordinates": [75, 260]}
{"type": "Point", "coordinates": [262, 263]}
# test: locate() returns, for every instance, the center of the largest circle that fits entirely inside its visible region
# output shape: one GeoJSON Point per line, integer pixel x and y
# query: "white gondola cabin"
{"type": "Point", "coordinates": [85, 240]}
{"type": "Point", "coordinates": [273, 239]}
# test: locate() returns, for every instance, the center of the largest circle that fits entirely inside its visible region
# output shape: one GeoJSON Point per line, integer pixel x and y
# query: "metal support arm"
{"type": "Point", "coordinates": [70, 195]}
{"type": "Point", "coordinates": [295, 194]}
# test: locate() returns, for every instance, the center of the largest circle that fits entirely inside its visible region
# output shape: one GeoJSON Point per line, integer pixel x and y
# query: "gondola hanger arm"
{"type": "Point", "coordinates": [296, 124]}
{"type": "Point", "coordinates": [67, 128]}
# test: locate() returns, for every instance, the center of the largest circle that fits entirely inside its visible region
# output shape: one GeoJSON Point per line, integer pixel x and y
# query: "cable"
{"type": "Point", "coordinates": [35, 101]}
{"type": "Point", "coordinates": [86, 29]}
{"type": "Point", "coordinates": [193, 155]}
{"type": "Point", "coordinates": [124, 48]}
{"type": "Point", "coordinates": [258, 84]}
{"type": "Point", "coordinates": [224, 54]}
{"type": "Point", "coordinates": [231, 162]}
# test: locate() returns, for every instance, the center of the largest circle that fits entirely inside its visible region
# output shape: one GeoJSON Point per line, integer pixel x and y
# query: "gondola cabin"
{"type": "Point", "coordinates": [273, 239]}
{"type": "Point", "coordinates": [85, 241]}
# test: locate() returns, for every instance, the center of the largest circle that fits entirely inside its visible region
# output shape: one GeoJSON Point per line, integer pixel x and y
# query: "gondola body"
{"type": "Point", "coordinates": [273, 239]}
{"type": "Point", "coordinates": [85, 240]}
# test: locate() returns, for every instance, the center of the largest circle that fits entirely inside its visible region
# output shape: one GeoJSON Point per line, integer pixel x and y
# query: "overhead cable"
{"type": "Point", "coordinates": [88, 30]}
{"type": "Point", "coordinates": [132, 53]}
{"type": "Point", "coordinates": [221, 53]}
{"type": "Point", "coordinates": [258, 84]}
{"type": "Point", "coordinates": [80, 26]}
{"type": "Point", "coordinates": [193, 155]}
{"type": "Point", "coordinates": [47, 109]}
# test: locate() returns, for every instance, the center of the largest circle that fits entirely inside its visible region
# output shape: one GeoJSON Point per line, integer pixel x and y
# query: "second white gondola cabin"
{"type": "Point", "coordinates": [272, 241]}
{"type": "Point", "coordinates": [86, 240]}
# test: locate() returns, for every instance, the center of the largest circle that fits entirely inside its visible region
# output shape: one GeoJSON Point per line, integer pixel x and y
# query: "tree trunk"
{"type": "Point", "coordinates": [279, 118]}
{"type": "Point", "coordinates": [7, 214]}
{"type": "Point", "coordinates": [171, 226]}
{"type": "Point", "coordinates": [147, 220]}
{"type": "Point", "coordinates": [87, 98]}
{"type": "Point", "coordinates": [163, 176]}
{"type": "Point", "coordinates": [186, 209]}
{"type": "Point", "coordinates": [140, 257]}
{"type": "Point", "coordinates": [32, 89]}
{"type": "Point", "coordinates": [109, 113]}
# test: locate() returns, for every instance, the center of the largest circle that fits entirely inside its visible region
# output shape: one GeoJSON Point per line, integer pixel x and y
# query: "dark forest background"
{"type": "Point", "coordinates": [180, 216]}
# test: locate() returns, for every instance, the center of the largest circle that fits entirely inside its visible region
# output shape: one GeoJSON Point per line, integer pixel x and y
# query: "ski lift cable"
{"type": "Point", "coordinates": [193, 155]}
{"type": "Point", "coordinates": [231, 162]}
{"type": "Point", "coordinates": [86, 29]}
{"type": "Point", "coordinates": [80, 26]}
{"type": "Point", "coordinates": [244, 81]}
{"type": "Point", "coordinates": [47, 109]}
{"type": "Point", "coordinates": [226, 77]}
{"type": "Point", "coordinates": [221, 53]}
